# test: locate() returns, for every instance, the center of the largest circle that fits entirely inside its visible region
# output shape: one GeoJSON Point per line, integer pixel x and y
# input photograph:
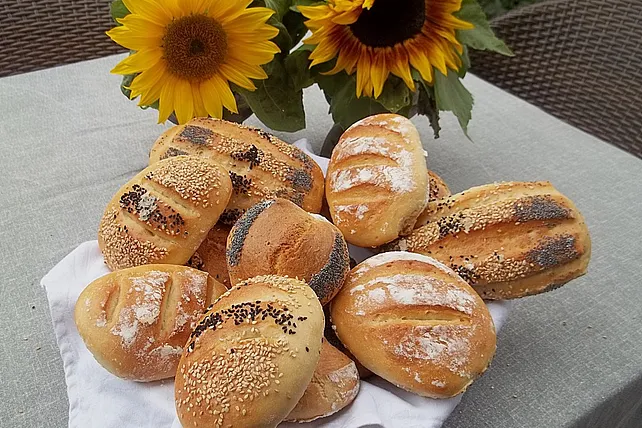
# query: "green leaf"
{"type": "Point", "coordinates": [125, 83]}
{"type": "Point", "coordinates": [451, 95]}
{"type": "Point", "coordinates": [297, 65]}
{"type": "Point", "coordinates": [465, 63]}
{"type": "Point", "coordinates": [395, 95]}
{"type": "Point", "coordinates": [481, 37]}
{"type": "Point", "coordinates": [295, 23]}
{"type": "Point", "coordinates": [346, 108]}
{"type": "Point", "coordinates": [276, 102]}
{"type": "Point", "coordinates": [118, 10]}
{"type": "Point", "coordinates": [281, 7]}
{"type": "Point", "coordinates": [296, 3]}
{"type": "Point", "coordinates": [427, 106]}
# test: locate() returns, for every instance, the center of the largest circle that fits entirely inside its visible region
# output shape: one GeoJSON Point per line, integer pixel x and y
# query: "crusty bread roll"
{"type": "Point", "coordinates": [377, 181]}
{"type": "Point", "coordinates": [438, 190]}
{"type": "Point", "coordinates": [210, 256]}
{"type": "Point", "coordinates": [416, 323]}
{"type": "Point", "coordinates": [277, 237]}
{"type": "Point", "coordinates": [260, 165]}
{"type": "Point", "coordinates": [438, 187]}
{"type": "Point", "coordinates": [163, 214]}
{"type": "Point", "coordinates": [251, 357]}
{"type": "Point", "coordinates": [334, 385]}
{"type": "Point", "coordinates": [136, 321]}
{"type": "Point", "coordinates": [507, 240]}
{"type": "Point", "coordinates": [331, 336]}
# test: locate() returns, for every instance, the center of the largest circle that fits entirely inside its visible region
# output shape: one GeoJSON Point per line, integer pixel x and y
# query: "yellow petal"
{"type": "Point", "coordinates": [225, 93]}
{"type": "Point", "coordinates": [399, 67]}
{"type": "Point", "coordinates": [124, 37]}
{"type": "Point", "coordinates": [142, 26]}
{"type": "Point", "coordinates": [183, 102]}
{"type": "Point", "coordinates": [199, 106]}
{"type": "Point", "coordinates": [150, 9]}
{"type": "Point", "coordinates": [363, 71]}
{"type": "Point", "coordinates": [138, 62]}
{"type": "Point", "coordinates": [166, 101]}
{"type": "Point", "coordinates": [237, 77]}
{"type": "Point", "coordinates": [379, 73]}
{"type": "Point", "coordinates": [211, 99]}
{"type": "Point", "coordinates": [148, 84]}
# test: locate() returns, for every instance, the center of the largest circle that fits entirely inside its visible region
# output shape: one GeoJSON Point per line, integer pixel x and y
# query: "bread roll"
{"type": "Point", "coordinates": [415, 323]}
{"type": "Point", "coordinates": [251, 357]}
{"type": "Point", "coordinates": [377, 181]}
{"type": "Point", "coordinates": [136, 321]}
{"type": "Point", "coordinates": [210, 256]}
{"type": "Point", "coordinates": [277, 237]}
{"type": "Point", "coordinates": [507, 240]}
{"type": "Point", "coordinates": [334, 385]}
{"type": "Point", "coordinates": [260, 165]}
{"type": "Point", "coordinates": [438, 190]}
{"type": "Point", "coordinates": [331, 336]}
{"type": "Point", "coordinates": [163, 214]}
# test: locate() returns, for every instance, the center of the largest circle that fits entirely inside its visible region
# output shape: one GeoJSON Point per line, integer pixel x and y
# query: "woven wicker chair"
{"type": "Point", "coordinates": [39, 34]}
{"type": "Point", "coordinates": [579, 60]}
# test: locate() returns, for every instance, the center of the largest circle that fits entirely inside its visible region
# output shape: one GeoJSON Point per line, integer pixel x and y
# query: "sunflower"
{"type": "Point", "coordinates": [379, 37]}
{"type": "Point", "coordinates": [188, 52]}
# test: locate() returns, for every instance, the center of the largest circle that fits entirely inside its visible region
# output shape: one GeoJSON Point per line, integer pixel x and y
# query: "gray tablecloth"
{"type": "Point", "coordinates": [69, 139]}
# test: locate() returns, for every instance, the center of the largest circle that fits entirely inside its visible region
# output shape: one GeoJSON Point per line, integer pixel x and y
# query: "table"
{"type": "Point", "coordinates": [69, 139]}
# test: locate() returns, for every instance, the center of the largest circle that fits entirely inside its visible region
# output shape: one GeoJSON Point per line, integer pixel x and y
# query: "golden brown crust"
{"type": "Point", "coordinates": [438, 190]}
{"type": "Point", "coordinates": [277, 237]}
{"type": "Point", "coordinates": [260, 165]}
{"type": "Point", "coordinates": [210, 256]}
{"type": "Point", "coordinates": [377, 181]}
{"type": "Point", "coordinates": [334, 385]}
{"type": "Point", "coordinates": [163, 214]}
{"type": "Point", "coordinates": [508, 240]}
{"type": "Point", "coordinates": [136, 321]}
{"type": "Point", "coordinates": [251, 357]}
{"type": "Point", "coordinates": [415, 323]}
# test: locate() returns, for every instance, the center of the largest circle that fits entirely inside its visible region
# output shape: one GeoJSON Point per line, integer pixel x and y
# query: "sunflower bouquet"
{"type": "Point", "coordinates": [231, 58]}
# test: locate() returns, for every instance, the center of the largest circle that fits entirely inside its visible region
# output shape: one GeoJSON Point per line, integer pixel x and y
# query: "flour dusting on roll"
{"type": "Point", "coordinates": [414, 322]}
{"type": "Point", "coordinates": [377, 182]}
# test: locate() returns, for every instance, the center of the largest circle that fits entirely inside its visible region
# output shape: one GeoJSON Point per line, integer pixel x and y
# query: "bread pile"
{"type": "Point", "coordinates": [222, 268]}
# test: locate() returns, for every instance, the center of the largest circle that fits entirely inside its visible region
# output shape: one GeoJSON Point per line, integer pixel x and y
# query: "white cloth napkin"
{"type": "Point", "coordinates": [99, 399]}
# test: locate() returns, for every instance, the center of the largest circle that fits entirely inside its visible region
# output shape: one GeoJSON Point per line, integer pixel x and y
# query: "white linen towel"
{"type": "Point", "coordinates": [99, 399]}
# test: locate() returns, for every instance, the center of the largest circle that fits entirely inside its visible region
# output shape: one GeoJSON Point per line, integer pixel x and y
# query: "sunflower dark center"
{"type": "Point", "coordinates": [389, 22]}
{"type": "Point", "coordinates": [194, 47]}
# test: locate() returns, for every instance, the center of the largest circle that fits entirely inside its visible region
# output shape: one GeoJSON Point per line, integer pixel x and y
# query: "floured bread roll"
{"type": "Point", "coordinates": [377, 181]}
{"type": "Point", "coordinates": [251, 357]}
{"type": "Point", "coordinates": [277, 237]}
{"type": "Point", "coordinates": [415, 323]}
{"type": "Point", "coordinates": [260, 165]}
{"type": "Point", "coordinates": [334, 385]}
{"type": "Point", "coordinates": [163, 214]}
{"type": "Point", "coordinates": [507, 240]}
{"type": "Point", "coordinates": [136, 321]}
{"type": "Point", "coordinates": [210, 256]}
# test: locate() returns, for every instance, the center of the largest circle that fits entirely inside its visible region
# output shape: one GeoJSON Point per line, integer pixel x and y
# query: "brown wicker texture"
{"type": "Point", "coordinates": [579, 60]}
{"type": "Point", "coordinates": [39, 34]}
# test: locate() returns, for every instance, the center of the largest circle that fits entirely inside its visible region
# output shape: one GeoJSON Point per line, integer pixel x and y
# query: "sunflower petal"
{"type": "Point", "coordinates": [238, 78]}
{"type": "Point", "coordinates": [211, 100]}
{"type": "Point", "coordinates": [150, 9]}
{"type": "Point", "coordinates": [166, 100]}
{"type": "Point", "coordinates": [363, 71]}
{"type": "Point", "coordinates": [379, 73]}
{"type": "Point", "coordinates": [138, 62]}
{"type": "Point", "coordinates": [199, 106]}
{"type": "Point", "coordinates": [183, 101]}
{"type": "Point", "coordinates": [225, 93]}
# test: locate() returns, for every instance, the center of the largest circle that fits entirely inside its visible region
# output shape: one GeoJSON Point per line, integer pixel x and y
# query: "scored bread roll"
{"type": "Point", "coordinates": [334, 385]}
{"type": "Point", "coordinates": [508, 240]}
{"type": "Point", "coordinates": [136, 321]}
{"type": "Point", "coordinates": [331, 336]}
{"type": "Point", "coordinates": [163, 214]}
{"type": "Point", "coordinates": [260, 165]}
{"type": "Point", "coordinates": [251, 357]}
{"type": "Point", "coordinates": [277, 237]}
{"type": "Point", "coordinates": [415, 323]}
{"type": "Point", "coordinates": [210, 256]}
{"type": "Point", "coordinates": [377, 182]}
{"type": "Point", "coordinates": [438, 190]}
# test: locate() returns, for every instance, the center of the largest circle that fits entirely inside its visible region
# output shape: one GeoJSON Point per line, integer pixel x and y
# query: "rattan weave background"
{"type": "Point", "coordinates": [580, 60]}
{"type": "Point", "coordinates": [37, 34]}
